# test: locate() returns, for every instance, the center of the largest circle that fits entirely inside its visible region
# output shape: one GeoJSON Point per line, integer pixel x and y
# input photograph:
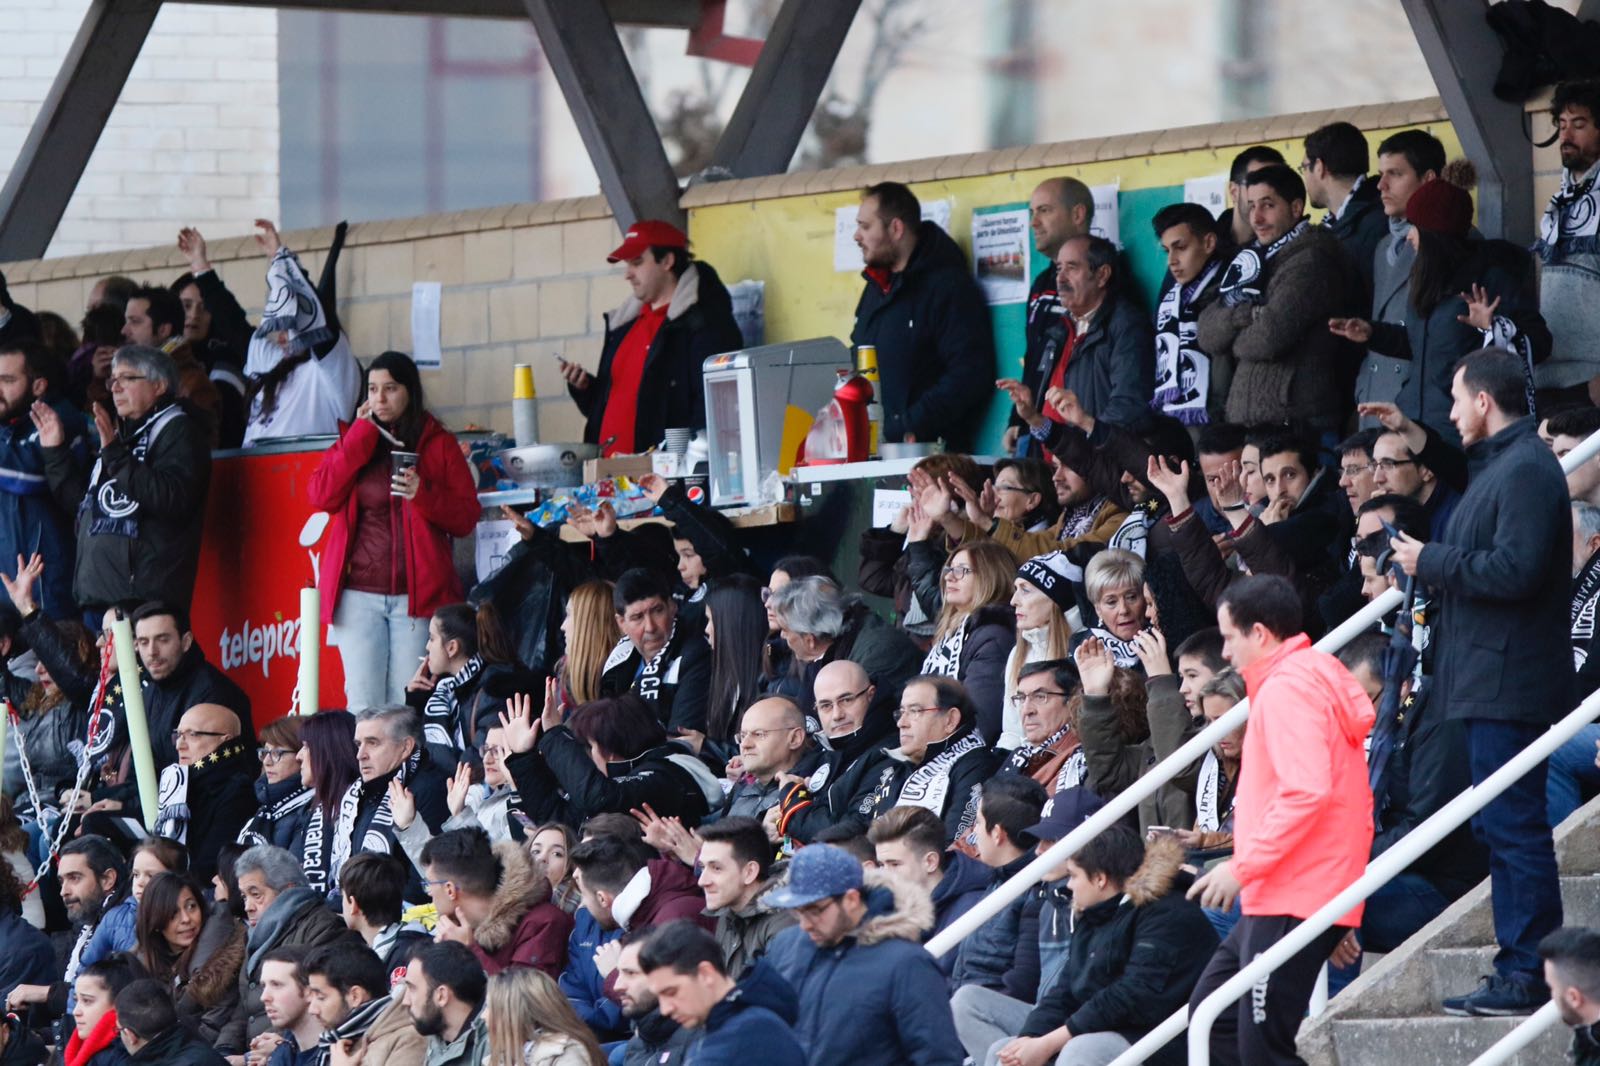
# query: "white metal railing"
{"type": "Point", "coordinates": [1531, 1029]}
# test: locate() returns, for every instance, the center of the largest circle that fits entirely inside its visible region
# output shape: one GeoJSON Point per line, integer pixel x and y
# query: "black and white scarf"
{"type": "Point", "coordinates": [1125, 653]}
{"type": "Point", "coordinates": [1585, 596]}
{"type": "Point", "coordinates": [374, 840]}
{"type": "Point", "coordinates": [1241, 283]}
{"type": "Point", "coordinates": [1571, 221]}
{"type": "Point", "coordinates": [258, 829]}
{"type": "Point", "coordinates": [114, 512]}
{"type": "Point", "coordinates": [1183, 371]}
{"type": "Point", "coordinates": [315, 854]}
{"type": "Point", "coordinates": [652, 673]}
{"type": "Point", "coordinates": [172, 819]}
{"type": "Point", "coordinates": [944, 658]}
{"type": "Point", "coordinates": [293, 308]}
{"type": "Point", "coordinates": [1076, 767]}
{"type": "Point", "coordinates": [1208, 818]}
{"type": "Point", "coordinates": [441, 717]}
{"type": "Point", "coordinates": [928, 786]}
{"type": "Point", "coordinates": [354, 1027]}
{"type": "Point", "coordinates": [1079, 519]}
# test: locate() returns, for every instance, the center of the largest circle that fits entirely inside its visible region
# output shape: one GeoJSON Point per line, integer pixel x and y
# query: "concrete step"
{"type": "Point", "coordinates": [1455, 970]}
{"type": "Point", "coordinates": [1438, 1041]}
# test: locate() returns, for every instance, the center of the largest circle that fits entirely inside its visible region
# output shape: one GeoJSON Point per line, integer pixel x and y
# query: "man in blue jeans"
{"type": "Point", "coordinates": [1503, 572]}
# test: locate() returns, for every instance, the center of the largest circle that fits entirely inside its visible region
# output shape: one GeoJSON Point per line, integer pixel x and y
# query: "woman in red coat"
{"type": "Point", "coordinates": [387, 564]}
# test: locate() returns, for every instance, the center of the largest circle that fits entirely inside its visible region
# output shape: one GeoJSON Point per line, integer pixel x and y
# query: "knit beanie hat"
{"type": "Point", "coordinates": [1054, 575]}
{"type": "Point", "coordinates": [1440, 207]}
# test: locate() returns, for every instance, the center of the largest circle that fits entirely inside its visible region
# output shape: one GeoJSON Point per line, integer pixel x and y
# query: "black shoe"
{"type": "Point", "coordinates": [1499, 997]}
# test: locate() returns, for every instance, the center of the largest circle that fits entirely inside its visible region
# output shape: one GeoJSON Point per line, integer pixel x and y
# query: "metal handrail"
{"type": "Point", "coordinates": [1531, 1029]}
{"type": "Point", "coordinates": [1387, 870]}
{"type": "Point", "coordinates": [1129, 798]}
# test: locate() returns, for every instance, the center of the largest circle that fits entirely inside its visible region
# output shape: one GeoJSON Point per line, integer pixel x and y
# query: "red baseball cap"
{"type": "Point", "coordinates": [649, 233]}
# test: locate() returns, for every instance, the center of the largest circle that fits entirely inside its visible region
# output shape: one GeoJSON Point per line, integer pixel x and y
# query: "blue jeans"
{"type": "Point", "coordinates": [1395, 913]}
{"type": "Point", "coordinates": [380, 645]}
{"type": "Point", "coordinates": [1223, 921]}
{"type": "Point", "coordinates": [1524, 884]}
{"type": "Point", "coordinates": [1574, 777]}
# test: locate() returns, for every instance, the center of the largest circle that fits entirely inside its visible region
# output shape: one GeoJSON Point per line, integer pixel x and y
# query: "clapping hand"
{"type": "Point", "coordinates": [920, 527]}
{"type": "Point", "coordinates": [518, 722]}
{"type": "Point", "coordinates": [48, 423]}
{"type": "Point", "coordinates": [1065, 403]}
{"type": "Point", "coordinates": [267, 238]}
{"type": "Point", "coordinates": [1022, 400]}
{"type": "Point", "coordinates": [1095, 667]}
{"type": "Point", "coordinates": [402, 804]}
{"type": "Point", "coordinates": [667, 835]}
{"type": "Point", "coordinates": [104, 423]}
{"type": "Point", "coordinates": [551, 717]}
{"type": "Point", "coordinates": [980, 505]}
{"type": "Point", "coordinates": [455, 796]}
{"type": "Point", "coordinates": [596, 524]}
{"type": "Point", "coordinates": [20, 588]}
{"type": "Point", "coordinates": [1480, 309]}
{"type": "Point", "coordinates": [1151, 647]}
{"type": "Point", "coordinates": [606, 956]}
{"type": "Point", "coordinates": [193, 247]}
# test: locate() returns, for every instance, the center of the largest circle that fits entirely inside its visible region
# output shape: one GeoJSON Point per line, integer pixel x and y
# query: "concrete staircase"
{"type": "Point", "coordinates": [1390, 1015]}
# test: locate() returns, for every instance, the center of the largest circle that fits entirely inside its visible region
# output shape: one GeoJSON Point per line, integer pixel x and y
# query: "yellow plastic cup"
{"type": "Point", "coordinates": [522, 382]}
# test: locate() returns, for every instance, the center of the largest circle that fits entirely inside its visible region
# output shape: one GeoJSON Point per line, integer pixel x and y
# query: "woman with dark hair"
{"type": "Point", "coordinates": [398, 489]}
{"type": "Point", "coordinates": [48, 723]}
{"type": "Point", "coordinates": [1464, 294]}
{"type": "Point", "coordinates": [285, 800]}
{"type": "Point", "coordinates": [28, 958]}
{"type": "Point", "coordinates": [197, 955]}
{"type": "Point", "coordinates": [736, 629]}
{"type": "Point", "coordinates": [14, 853]}
{"type": "Point", "coordinates": [327, 767]}
{"type": "Point", "coordinates": [779, 677]}
{"type": "Point", "coordinates": [467, 647]}
{"type": "Point", "coordinates": [225, 882]}
{"type": "Point", "coordinates": [612, 756]}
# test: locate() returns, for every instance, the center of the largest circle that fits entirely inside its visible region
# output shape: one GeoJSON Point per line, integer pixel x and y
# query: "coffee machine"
{"type": "Point", "coordinates": [760, 403]}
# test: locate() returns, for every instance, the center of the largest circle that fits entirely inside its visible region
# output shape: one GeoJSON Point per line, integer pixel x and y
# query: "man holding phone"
{"type": "Point", "coordinates": [657, 342]}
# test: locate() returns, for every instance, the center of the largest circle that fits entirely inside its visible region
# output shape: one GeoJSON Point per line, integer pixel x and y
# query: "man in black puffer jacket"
{"type": "Point", "coordinates": [928, 319]}
{"type": "Point", "coordinates": [657, 342]}
{"type": "Point", "coordinates": [1137, 950]}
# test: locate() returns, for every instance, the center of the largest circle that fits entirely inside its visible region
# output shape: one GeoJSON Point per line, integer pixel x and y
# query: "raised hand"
{"type": "Point", "coordinates": [1065, 403]}
{"type": "Point", "coordinates": [938, 498]}
{"type": "Point", "coordinates": [20, 588]}
{"type": "Point", "coordinates": [267, 238]}
{"type": "Point", "coordinates": [551, 717]}
{"type": "Point", "coordinates": [1388, 415]}
{"type": "Point", "coordinates": [605, 520]}
{"type": "Point", "coordinates": [1277, 511]}
{"type": "Point", "coordinates": [902, 521]}
{"type": "Point", "coordinates": [973, 500]}
{"type": "Point", "coordinates": [193, 247]}
{"type": "Point", "coordinates": [920, 526]}
{"type": "Point", "coordinates": [1151, 647]}
{"type": "Point", "coordinates": [1358, 330]}
{"type": "Point", "coordinates": [48, 423]}
{"type": "Point", "coordinates": [654, 486]}
{"type": "Point", "coordinates": [523, 523]}
{"type": "Point", "coordinates": [1480, 309]}
{"type": "Point", "coordinates": [1022, 400]}
{"type": "Point", "coordinates": [402, 804]}
{"type": "Point", "coordinates": [1095, 667]}
{"type": "Point", "coordinates": [455, 796]}
{"type": "Point", "coordinates": [518, 722]}
{"type": "Point", "coordinates": [105, 424]}
{"type": "Point", "coordinates": [1173, 484]}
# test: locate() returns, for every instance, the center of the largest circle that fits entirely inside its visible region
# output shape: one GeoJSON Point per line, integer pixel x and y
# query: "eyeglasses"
{"type": "Point", "coordinates": [1011, 488]}
{"type": "Point", "coordinates": [1356, 469]}
{"type": "Point", "coordinates": [1036, 698]}
{"type": "Point", "coordinates": [189, 734]}
{"type": "Point", "coordinates": [902, 712]}
{"type": "Point", "coordinates": [121, 381]}
{"type": "Point", "coordinates": [493, 751]}
{"type": "Point", "coordinates": [760, 734]}
{"type": "Point", "coordinates": [827, 706]}
{"type": "Point", "coordinates": [433, 884]}
{"type": "Point", "coordinates": [268, 756]}
{"type": "Point", "coordinates": [817, 909]}
{"type": "Point", "coordinates": [1388, 465]}
{"type": "Point", "coordinates": [960, 573]}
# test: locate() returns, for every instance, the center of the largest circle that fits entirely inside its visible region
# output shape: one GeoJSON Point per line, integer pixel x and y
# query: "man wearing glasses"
{"type": "Point", "coordinates": [1411, 460]}
{"type": "Point", "coordinates": [772, 742]}
{"type": "Point", "coordinates": [208, 796]}
{"type": "Point", "coordinates": [857, 944]}
{"type": "Point", "coordinates": [942, 760]}
{"type": "Point", "coordinates": [840, 789]}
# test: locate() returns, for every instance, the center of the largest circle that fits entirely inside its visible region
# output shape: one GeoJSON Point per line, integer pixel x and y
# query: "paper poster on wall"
{"type": "Point", "coordinates": [1210, 193]}
{"type": "Point", "coordinates": [847, 254]}
{"type": "Point", "coordinates": [495, 539]}
{"type": "Point", "coordinates": [1000, 247]}
{"type": "Point", "coordinates": [425, 302]}
{"type": "Point", "coordinates": [1105, 222]}
{"type": "Point", "coordinates": [887, 505]}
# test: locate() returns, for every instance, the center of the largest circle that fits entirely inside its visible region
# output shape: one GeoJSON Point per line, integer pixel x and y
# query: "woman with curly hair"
{"type": "Point", "coordinates": [28, 958]}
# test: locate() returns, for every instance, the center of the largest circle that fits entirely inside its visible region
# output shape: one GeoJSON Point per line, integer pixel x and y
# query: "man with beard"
{"type": "Point", "coordinates": [1569, 245]}
{"type": "Point", "coordinates": [209, 793]}
{"type": "Point", "coordinates": [31, 519]}
{"type": "Point", "coordinates": [924, 312]}
{"type": "Point", "coordinates": [348, 990]}
{"type": "Point", "coordinates": [856, 739]}
{"type": "Point", "coordinates": [1572, 970]}
{"type": "Point", "coordinates": [93, 890]}
{"type": "Point", "coordinates": [657, 1040]}
{"type": "Point", "coordinates": [445, 987]}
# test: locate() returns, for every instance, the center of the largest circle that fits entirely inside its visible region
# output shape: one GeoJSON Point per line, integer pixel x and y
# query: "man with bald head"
{"type": "Point", "coordinates": [772, 741]}
{"type": "Point", "coordinates": [209, 794]}
{"type": "Point", "coordinates": [839, 790]}
{"type": "Point", "coordinates": [1059, 210]}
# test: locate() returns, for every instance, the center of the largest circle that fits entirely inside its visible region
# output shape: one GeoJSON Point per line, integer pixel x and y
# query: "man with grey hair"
{"type": "Point", "coordinates": [822, 625]}
{"type": "Point", "coordinates": [391, 757]}
{"type": "Point", "coordinates": [139, 526]}
{"type": "Point", "coordinates": [1059, 210]}
{"type": "Point", "coordinates": [1574, 777]}
{"type": "Point", "coordinates": [281, 912]}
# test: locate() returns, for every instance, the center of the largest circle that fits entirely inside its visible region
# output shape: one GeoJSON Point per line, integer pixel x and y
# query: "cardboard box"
{"type": "Point", "coordinates": [617, 466]}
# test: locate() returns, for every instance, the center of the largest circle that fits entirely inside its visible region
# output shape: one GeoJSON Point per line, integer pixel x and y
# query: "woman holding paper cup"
{"type": "Point", "coordinates": [398, 489]}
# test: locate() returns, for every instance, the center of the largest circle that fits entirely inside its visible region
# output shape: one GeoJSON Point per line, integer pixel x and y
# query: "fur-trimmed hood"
{"type": "Point", "coordinates": [1157, 874]}
{"type": "Point", "coordinates": [896, 910]}
{"type": "Point", "coordinates": [522, 887]}
{"type": "Point", "coordinates": [218, 954]}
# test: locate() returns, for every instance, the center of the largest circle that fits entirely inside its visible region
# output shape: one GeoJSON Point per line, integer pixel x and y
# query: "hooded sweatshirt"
{"type": "Point", "coordinates": [1303, 814]}
{"type": "Point", "coordinates": [753, 1022]}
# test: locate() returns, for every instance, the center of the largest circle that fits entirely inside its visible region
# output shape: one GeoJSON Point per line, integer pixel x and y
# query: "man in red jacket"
{"type": "Point", "coordinates": [1302, 819]}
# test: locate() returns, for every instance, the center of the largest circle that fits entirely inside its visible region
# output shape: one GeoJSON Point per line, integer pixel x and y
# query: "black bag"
{"type": "Point", "coordinates": [1543, 45]}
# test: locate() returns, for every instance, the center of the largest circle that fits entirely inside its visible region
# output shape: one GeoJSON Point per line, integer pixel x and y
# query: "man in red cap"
{"type": "Point", "coordinates": [656, 343]}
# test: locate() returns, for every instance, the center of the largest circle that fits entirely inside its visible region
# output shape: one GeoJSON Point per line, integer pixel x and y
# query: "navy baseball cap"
{"type": "Point", "coordinates": [1064, 812]}
{"type": "Point", "coordinates": [817, 872]}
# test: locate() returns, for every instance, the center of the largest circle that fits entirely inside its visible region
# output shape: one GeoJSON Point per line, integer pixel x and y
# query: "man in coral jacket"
{"type": "Point", "coordinates": [1302, 819]}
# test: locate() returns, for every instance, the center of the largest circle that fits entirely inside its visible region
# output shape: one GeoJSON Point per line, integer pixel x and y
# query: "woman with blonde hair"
{"type": "Point", "coordinates": [976, 629]}
{"type": "Point", "coordinates": [531, 1023]}
{"type": "Point", "coordinates": [1041, 597]}
{"type": "Point", "coordinates": [590, 631]}
{"type": "Point", "coordinates": [1114, 582]}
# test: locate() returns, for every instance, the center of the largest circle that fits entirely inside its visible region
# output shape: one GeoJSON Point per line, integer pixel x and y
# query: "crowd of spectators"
{"type": "Point", "coordinates": [642, 800]}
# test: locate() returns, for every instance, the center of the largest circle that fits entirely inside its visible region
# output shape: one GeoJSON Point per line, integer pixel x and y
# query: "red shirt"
{"type": "Point", "coordinates": [627, 371]}
{"type": "Point", "coordinates": [1059, 375]}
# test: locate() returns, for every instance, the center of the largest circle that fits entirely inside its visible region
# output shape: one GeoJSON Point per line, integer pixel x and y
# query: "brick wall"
{"type": "Point", "coordinates": [193, 139]}
{"type": "Point", "coordinates": [520, 284]}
